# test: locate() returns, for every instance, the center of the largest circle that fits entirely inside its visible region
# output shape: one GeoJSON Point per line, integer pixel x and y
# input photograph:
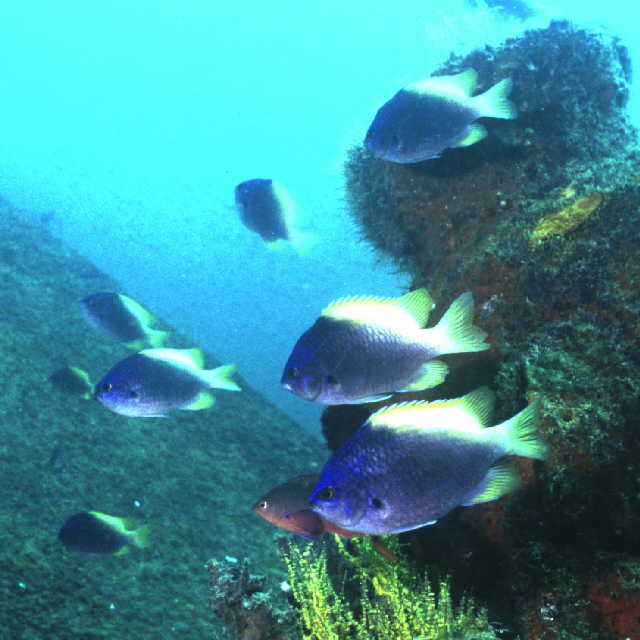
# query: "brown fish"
{"type": "Point", "coordinates": [287, 506]}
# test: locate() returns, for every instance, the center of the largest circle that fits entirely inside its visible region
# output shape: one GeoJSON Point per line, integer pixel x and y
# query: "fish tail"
{"type": "Point", "coordinates": [140, 537]}
{"type": "Point", "coordinates": [456, 333]}
{"type": "Point", "coordinates": [520, 436]}
{"type": "Point", "coordinates": [302, 243]}
{"type": "Point", "coordinates": [156, 338]}
{"type": "Point", "coordinates": [220, 377]}
{"type": "Point", "coordinates": [495, 103]}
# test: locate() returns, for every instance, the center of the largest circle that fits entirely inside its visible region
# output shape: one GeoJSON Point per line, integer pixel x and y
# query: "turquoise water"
{"type": "Point", "coordinates": [133, 122]}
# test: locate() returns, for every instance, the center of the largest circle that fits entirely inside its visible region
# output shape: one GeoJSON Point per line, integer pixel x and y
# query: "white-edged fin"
{"type": "Point", "coordinates": [519, 435]}
{"type": "Point", "coordinates": [465, 415]}
{"type": "Point", "coordinates": [203, 400]}
{"type": "Point", "coordinates": [502, 478]}
{"type": "Point", "coordinates": [368, 399]}
{"type": "Point", "coordinates": [456, 333]}
{"type": "Point", "coordinates": [430, 375]}
{"type": "Point", "coordinates": [495, 103]}
{"type": "Point", "coordinates": [220, 377]}
{"type": "Point", "coordinates": [184, 358]}
{"type": "Point", "coordinates": [156, 338]}
{"type": "Point", "coordinates": [473, 134]}
{"type": "Point", "coordinates": [460, 85]}
{"type": "Point", "coordinates": [143, 317]}
{"type": "Point", "coordinates": [414, 526]}
{"type": "Point", "coordinates": [410, 311]}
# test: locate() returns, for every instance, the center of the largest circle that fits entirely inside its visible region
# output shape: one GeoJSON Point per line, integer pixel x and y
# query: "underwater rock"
{"type": "Point", "coordinates": [540, 221]}
{"type": "Point", "coordinates": [245, 606]}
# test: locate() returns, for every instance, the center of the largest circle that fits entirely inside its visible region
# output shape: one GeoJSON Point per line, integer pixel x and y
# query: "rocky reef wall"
{"type": "Point", "coordinates": [541, 221]}
{"type": "Point", "coordinates": [192, 477]}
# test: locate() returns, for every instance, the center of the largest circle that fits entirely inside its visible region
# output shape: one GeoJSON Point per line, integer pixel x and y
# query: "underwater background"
{"type": "Point", "coordinates": [124, 129]}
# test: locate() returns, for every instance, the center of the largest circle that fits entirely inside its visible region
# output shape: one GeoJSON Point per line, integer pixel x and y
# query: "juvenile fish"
{"type": "Point", "coordinates": [363, 349]}
{"type": "Point", "coordinates": [72, 380]}
{"type": "Point", "coordinates": [156, 381]}
{"type": "Point", "coordinates": [266, 207]}
{"type": "Point", "coordinates": [430, 115]}
{"type": "Point", "coordinates": [287, 506]}
{"type": "Point", "coordinates": [123, 319]}
{"type": "Point", "coordinates": [96, 532]}
{"type": "Point", "coordinates": [411, 463]}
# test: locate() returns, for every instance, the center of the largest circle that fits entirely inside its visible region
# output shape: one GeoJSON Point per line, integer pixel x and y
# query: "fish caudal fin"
{"type": "Point", "coordinates": [302, 243]}
{"type": "Point", "coordinates": [220, 378]}
{"type": "Point", "coordinates": [502, 478]}
{"type": "Point", "coordinates": [456, 333]}
{"type": "Point", "coordinates": [430, 375]}
{"type": "Point", "coordinates": [156, 338]}
{"type": "Point", "coordinates": [495, 103]}
{"type": "Point", "coordinates": [520, 436]}
{"type": "Point", "coordinates": [140, 537]}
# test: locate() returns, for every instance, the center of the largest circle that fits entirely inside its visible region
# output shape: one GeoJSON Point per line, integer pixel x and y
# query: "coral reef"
{"type": "Point", "coordinates": [540, 220]}
{"type": "Point", "coordinates": [247, 609]}
{"type": "Point", "coordinates": [192, 477]}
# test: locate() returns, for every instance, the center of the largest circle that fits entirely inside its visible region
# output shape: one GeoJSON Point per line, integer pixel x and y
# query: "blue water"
{"type": "Point", "coordinates": [133, 122]}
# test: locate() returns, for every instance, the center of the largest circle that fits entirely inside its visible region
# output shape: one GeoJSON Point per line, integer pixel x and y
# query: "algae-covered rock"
{"type": "Point", "coordinates": [192, 477]}
{"type": "Point", "coordinates": [540, 220]}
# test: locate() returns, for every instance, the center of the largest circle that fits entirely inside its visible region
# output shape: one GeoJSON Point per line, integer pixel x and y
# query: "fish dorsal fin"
{"type": "Point", "coordinates": [470, 412]}
{"type": "Point", "coordinates": [185, 358]}
{"type": "Point", "coordinates": [121, 525]}
{"type": "Point", "coordinates": [460, 85]}
{"type": "Point", "coordinates": [136, 310]}
{"type": "Point", "coordinates": [410, 311]}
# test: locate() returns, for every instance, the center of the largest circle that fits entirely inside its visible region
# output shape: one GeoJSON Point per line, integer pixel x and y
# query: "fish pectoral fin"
{"type": "Point", "coordinates": [122, 552]}
{"type": "Point", "coordinates": [502, 478]}
{"type": "Point", "coordinates": [473, 134]}
{"type": "Point", "coordinates": [203, 400]}
{"type": "Point", "coordinates": [431, 374]}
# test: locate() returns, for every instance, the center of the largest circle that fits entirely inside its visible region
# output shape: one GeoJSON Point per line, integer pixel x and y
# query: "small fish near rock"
{"type": "Point", "coordinates": [411, 463]}
{"type": "Point", "coordinates": [363, 349]}
{"type": "Point", "coordinates": [431, 115]}
{"type": "Point", "coordinates": [287, 506]}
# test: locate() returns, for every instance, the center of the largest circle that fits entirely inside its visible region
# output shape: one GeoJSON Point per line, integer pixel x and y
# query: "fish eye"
{"type": "Point", "coordinates": [263, 505]}
{"type": "Point", "coordinates": [332, 380]}
{"type": "Point", "coordinates": [328, 493]}
{"type": "Point", "coordinates": [133, 394]}
{"type": "Point", "coordinates": [106, 387]}
{"type": "Point", "coordinates": [376, 503]}
{"type": "Point", "coordinates": [293, 372]}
